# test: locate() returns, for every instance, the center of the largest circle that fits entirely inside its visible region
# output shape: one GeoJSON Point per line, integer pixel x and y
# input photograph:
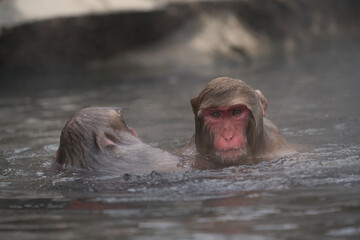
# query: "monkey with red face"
{"type": "Point", "coordinates": [231, 128]}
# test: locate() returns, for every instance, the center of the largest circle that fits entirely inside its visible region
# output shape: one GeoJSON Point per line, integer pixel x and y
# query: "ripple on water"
{"type": "Point", "coordinates": [343, 232]}
{"type": "Point", "coordinates": [327, 165]}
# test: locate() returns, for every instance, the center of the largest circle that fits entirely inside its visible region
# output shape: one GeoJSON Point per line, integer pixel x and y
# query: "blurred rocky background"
{"type": "Point", "coordinates": [51, 36]}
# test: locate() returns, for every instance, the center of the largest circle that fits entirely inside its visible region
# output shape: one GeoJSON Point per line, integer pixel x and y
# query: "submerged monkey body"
{"type": "Point", "coordinates": [230, 129]}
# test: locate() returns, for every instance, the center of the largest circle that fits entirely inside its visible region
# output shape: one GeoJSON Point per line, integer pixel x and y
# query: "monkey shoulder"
{"type": "Point", "coordinates": [274, 142]}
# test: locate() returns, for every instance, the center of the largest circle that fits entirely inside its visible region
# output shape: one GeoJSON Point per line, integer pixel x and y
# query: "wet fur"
{"type": "Point", "coordinates": [263, 138]}
{"type": "Point", "coordinates": [98, 139]}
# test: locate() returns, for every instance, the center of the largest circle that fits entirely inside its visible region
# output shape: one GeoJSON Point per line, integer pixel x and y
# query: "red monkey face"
{"type": "Point", "coordinates": [228, 121]}
{"type": "Point", "coordinates": [228, 125]}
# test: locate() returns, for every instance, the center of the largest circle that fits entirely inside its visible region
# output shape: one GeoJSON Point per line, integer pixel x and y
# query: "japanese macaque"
{"type": "Point", "coordinates": [98, 138]}
{"type": "Point", "coordinates": [231, 128]}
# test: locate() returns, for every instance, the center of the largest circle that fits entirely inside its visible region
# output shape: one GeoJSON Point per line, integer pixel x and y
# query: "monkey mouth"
{"type": "Point", "coordinates": [232, 155]}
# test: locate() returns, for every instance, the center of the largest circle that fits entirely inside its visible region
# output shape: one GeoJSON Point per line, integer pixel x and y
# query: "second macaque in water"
{"type": "Point", "coordinates": [230, 129]}
{"type": "Point", "coordinates": [98, 139]}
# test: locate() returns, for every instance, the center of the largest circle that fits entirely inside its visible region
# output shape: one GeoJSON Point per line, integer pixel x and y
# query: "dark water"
{"type": "Point", "coordinates": [314, 194]}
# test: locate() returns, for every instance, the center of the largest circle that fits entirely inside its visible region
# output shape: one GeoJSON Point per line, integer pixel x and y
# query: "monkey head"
{"type": "Point", "coordinates": [228, 121]}
{"type": "Point", "coordinates": [87, 135]}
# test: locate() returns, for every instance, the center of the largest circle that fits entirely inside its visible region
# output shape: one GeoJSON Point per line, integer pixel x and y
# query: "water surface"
{"type": "Point", "coordinates": [314, 194]}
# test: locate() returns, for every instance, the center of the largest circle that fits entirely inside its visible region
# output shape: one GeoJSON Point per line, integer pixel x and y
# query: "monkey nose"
{"type": "Point", "coordinates": [228, 136]}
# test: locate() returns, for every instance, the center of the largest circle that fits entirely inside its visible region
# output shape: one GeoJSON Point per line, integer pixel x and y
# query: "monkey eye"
{"type": "Point", "coordinates": [237, 112]}
{"type": "Point", "coordinates": [215, 115]}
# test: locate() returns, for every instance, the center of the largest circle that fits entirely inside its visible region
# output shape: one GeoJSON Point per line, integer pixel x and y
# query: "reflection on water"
{"type": "Point", "coordinates": [309, 195]}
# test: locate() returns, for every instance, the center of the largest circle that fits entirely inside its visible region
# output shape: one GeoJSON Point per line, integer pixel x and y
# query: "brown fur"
{"type": "Point", "coordinates": [97, 138]}
{"type": "Point", "coordinates": [264, 139]}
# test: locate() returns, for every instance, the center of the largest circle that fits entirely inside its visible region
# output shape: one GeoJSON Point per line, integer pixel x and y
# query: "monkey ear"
{"type": "Point", "coordinates": [263, 101]}
{"type": "Point", "coordinates": [133, 132]}
{"type": "Point", "coordinates": [194, 105]}
{"type": "Point", "coordinates": [104, 141]}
